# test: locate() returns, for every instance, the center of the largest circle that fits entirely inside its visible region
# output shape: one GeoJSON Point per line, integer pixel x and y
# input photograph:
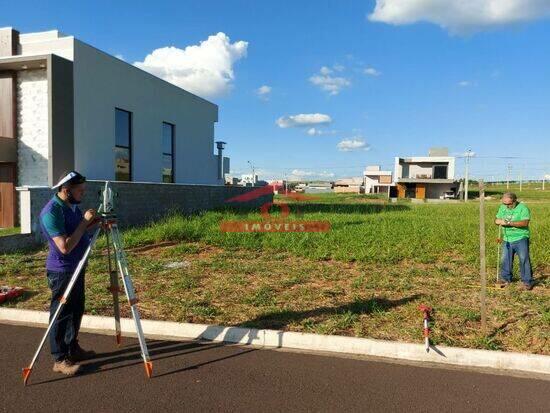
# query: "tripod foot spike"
{"type": "Point", "coordinates": [26, 374]}
{"type": "Point", "coordinates": [149, 368]}
{"type": "Point", "coordinates": [118, 339]}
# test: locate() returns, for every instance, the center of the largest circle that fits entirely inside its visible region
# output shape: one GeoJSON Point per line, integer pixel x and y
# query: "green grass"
{"type": "Point", "coordinates": [365, 277]}
{"type": "Point", "coordinates": [361, 231]}
{"type": "Point", "coordinates": [9, 231]}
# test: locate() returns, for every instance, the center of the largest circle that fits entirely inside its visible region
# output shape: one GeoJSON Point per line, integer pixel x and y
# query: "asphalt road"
{"type": "Point", "coordinates": [190, 376]}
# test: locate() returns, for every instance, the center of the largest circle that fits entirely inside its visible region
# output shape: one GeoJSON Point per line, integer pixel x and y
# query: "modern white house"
{"type": "Point", "coordinates": [67, 105]}
{"type": "Point", "coordinates": [377, 181]}
{"type": "Point", "coordinates": [249, 179]}
{"type": "Point", "coordinates": [426, 177]}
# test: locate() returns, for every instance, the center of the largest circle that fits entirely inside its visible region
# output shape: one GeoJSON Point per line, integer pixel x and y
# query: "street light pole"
{"type": "Point", "coordinates": [253, 174]}
{"type": "Point", "coordinates": [467, 174]}
{"type": "Point", "coordinates": [520, 180]}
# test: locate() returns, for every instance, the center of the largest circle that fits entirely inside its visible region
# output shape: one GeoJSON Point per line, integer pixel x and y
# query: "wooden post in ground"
{"type": "Point", "coordinates": [482, 261]}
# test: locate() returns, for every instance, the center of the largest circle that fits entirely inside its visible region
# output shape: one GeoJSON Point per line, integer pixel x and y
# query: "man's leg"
{"type": "Point", "coordinates": [57, 281]}
{"type": "Point", "coordinates": [507, 262]}
{"type": "Point", "coordinates": [77, 353]}
{"type": "Point", "coordinates": [77, 310]}
{"type": "Point", "coordinates": [522, 249]}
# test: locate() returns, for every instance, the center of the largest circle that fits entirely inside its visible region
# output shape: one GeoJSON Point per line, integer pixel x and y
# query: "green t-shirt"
{"type": "Point", "coordinates": [519, 213]}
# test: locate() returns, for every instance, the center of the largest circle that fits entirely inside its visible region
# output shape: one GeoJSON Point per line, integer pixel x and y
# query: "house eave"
{"type": "Point", "coordinates": [425, 181]}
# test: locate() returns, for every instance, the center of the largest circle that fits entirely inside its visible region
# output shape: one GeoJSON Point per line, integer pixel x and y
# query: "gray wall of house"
{"type": "Point", "coordinates": [140, 203]}
{"type": "Point", "coordinates": [61, 117]}
{"type": "Point", "coordinates": [103, 83]}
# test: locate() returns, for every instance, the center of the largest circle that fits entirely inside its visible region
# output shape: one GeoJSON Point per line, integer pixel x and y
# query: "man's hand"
{"type": "Point", "coordinates": [499, 221]}
{"type": "Point", "coordinates": [90, 215]}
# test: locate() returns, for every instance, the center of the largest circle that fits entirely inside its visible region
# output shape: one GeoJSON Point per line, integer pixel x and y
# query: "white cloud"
{"type": "Point", "coordinates": [464, 83]}
{"type": "Point", "coordinates": [119, 56]}
{"type": "Point", "coordinates": [264, 92]}
{"type": "Point", "coordinates": [460, 16]}
{"type": "Point", "coordinates": [371, 71]}
{"type": "Point", "coordinates": [205, 69]}
{"type": "Point", "coordinates": [353, 144]}
{"type": "Point", "coordinates": [303, 120]}
{"type": "Point", "coordinates": [329, 83]}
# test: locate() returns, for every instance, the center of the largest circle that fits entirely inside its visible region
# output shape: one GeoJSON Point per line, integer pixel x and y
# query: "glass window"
{"type": "Point", "coordinates": [440, 172]}
{"type": "Point", "coordinates": [167, 152]}
{"type": "Point", "coordinates": [123, 139]}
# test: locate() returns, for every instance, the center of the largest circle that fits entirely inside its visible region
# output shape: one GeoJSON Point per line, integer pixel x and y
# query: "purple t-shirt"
{"type": "Point", "coordinates": [57, 218]}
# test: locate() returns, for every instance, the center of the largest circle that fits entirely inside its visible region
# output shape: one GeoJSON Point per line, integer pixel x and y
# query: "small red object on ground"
{"type": "Point", "coordinates": [426, 330]}
{"type": "Point", "coordinates": [8, 293]}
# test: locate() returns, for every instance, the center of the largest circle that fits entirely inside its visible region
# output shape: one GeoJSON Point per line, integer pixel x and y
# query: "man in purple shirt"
{"type": "Point", "coordinates": [66, 230]}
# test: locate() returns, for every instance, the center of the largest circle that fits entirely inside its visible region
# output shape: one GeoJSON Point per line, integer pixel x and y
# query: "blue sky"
{"type": "Point", "coordinates": [416, 77]}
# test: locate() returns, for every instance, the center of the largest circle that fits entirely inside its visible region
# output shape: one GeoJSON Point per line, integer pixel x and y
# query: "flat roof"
{"type": "Point", "coordinates": [428, 159]}
{"type": "Point", "coordinates": [25, 62]}
{"type": "Point", "coordinates": [425, 181]}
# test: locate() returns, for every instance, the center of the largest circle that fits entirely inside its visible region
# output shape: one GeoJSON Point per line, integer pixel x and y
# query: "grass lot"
{"type": "Point", "coordinates": [9, 231]}
{"type": "Point", "coordinates": [366, 277]}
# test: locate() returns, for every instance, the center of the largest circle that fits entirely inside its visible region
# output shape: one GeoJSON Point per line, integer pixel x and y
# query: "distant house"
{"type": "Point", "coordinates": [249, 180]}
{"type": "Point", "coordinates": [426, 177]}
{"type": "Point", "coordinates": [318, 187]}
{"type": "Point", "coordinates": [377, 181]}
{"type": "Point", "coordinates": [279, 185]}
{"type": "Point", "coordinates": [349, 185]}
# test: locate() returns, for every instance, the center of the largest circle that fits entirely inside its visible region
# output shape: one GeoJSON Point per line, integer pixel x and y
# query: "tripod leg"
{"type": "Point", "coordinates": [115, 290]}
{"type": "Point", "coordinates": [63, 300]}
{"type": "Point", "coordinates": [131, 295]}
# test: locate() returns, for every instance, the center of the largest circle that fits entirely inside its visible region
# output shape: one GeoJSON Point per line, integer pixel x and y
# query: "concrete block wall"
{"type": "Point", "coordinates": [32, 127]}
{"type": "Point", "coordinates": [140, 203]}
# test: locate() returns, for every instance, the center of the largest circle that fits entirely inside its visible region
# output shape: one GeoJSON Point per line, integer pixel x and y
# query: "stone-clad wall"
{"type": "Point", "coordinates": [32, 127]}
{"type": "Point", "coordinates": [140, 203]}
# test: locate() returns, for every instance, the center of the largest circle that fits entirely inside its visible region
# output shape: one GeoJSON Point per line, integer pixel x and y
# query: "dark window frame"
{"type": "Point", "coordinates": [130, 136]}
{"type": "Point", "coordinates": [172, 148]}
{"type": "Point", "coordinates": [446, 166]}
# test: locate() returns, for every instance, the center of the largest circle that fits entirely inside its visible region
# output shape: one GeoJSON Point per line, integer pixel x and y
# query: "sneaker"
{"type": "Point", "coordinates": [66, 367]}
{"type": "Point", "coordinates": [527, 287]}
{"type": "Point", "coordinates": [502, 284]}
{"type": "Point", "coordinates": [77, 353]}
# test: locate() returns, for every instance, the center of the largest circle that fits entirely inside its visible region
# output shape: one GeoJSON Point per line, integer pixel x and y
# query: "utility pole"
{"type": "Point", "coordinates": [253, 173]}
{"type": "Point", "coordinates": [467, 174]}
{"type": "Point", "coordinates": [520, 180]}
{"type": "Point", "coordinates": [509, 166]}
{"type": "Point", "coordinates": [543, 180]}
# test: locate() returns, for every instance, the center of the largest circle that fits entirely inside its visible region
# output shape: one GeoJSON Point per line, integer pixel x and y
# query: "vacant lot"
{"type": "Point", "coordinates": [366, 277]}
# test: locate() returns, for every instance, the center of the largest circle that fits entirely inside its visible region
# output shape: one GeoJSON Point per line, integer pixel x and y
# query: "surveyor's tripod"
{"type": "Point", "coordinates": [109, 225]}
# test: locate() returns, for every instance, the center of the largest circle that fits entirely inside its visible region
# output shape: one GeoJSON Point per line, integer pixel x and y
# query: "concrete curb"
{"type": "Point", "coordinates": [532, 363]}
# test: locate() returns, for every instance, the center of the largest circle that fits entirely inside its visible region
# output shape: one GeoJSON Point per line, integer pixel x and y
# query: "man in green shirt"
{"type": "Point", "coordinates": [514, 216]}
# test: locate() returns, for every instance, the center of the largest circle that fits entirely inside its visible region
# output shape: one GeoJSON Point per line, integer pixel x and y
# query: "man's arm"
{"type": "Point", "coordinates": [519, 224]}
{"type": "Point", "coordinates": [65, 243]}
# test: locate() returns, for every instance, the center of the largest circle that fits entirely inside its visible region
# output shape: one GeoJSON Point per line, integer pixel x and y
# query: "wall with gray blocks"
{"type": "Point", "coordinates": [140, 203]}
